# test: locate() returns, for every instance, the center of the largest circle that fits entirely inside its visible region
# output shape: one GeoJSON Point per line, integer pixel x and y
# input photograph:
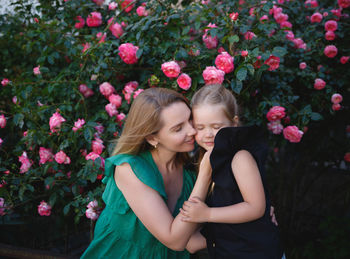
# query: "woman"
{"type": "Point", "coordinates": [146, 182]}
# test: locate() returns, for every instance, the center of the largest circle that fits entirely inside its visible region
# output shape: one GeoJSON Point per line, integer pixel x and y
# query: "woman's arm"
{"type": "Point", "coordinates": [197, 242]}
{"type": "Point", "coordinates": [249, 181]}
{"type": "Point", "coordinates": [150, 208]}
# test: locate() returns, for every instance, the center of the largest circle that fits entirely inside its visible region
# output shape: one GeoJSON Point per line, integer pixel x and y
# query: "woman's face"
{"type": "Point", "coordinates": [207, 120]}
{"type": "Point", "coordinates": [177, 133]}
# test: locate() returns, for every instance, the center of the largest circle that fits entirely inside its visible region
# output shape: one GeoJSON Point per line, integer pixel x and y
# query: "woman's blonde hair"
{"type": "Point", "coordinates": [144, 119]}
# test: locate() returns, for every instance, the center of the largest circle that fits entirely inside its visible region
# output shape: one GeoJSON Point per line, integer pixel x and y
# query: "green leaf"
{"type": "Point", "coordinates": [139, 53]}
{"type": "Point", "coordinates": [279, 51]}
{"type": "Point", "coordinates": [233, 39]}
{"type": "Point", "coordinates": [66, 209]}
{"type": "Point", "coordinates": [88, 134]}
{"type": "Point", "coordinates": [18, 119]}
{"type": "Point", "coordinates": [251, 69]}
{"type": "Point", "coordinates": [236, 86]}
{"type": "Point", "coordinates": [241, 74]}
{"type": "Point", "coordinates": [316, 116]}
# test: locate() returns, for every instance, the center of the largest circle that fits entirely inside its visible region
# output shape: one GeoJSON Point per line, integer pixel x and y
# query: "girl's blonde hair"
{"type": "Point", "coordinates": [216, 94]}
{"type": "Point", "coordinates": [144, 119]}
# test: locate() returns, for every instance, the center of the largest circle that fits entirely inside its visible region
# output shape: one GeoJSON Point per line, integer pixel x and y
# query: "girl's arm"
{"type": "Point", "coordinates": [153, 212]}
{"type": "Point", "coordinates": [197, 242]}
{"type": "Point", "coordinates": [249, 181]}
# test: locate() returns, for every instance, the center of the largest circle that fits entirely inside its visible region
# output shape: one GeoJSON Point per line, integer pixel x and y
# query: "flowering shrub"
{"type": "Point", "coordinates": [68, 79]}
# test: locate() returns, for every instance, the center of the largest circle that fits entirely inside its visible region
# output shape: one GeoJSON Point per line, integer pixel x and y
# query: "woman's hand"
{"type": "Point", "coordinates": [195, 210]}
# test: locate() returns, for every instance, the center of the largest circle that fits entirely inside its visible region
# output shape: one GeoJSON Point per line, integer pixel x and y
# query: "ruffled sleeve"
{"type": "Point", "coordinates": [144, 171]}
{"type": "Point", "coordinates": [230, 140]}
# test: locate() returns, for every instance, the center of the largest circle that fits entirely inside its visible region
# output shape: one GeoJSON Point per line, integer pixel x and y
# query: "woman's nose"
{"type": "Point", "coordinates": [191, 130]}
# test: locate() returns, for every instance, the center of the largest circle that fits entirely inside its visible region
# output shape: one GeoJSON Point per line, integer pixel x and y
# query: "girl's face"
{"type": "Point", "coordinates": [207, 120]}
{"type": "Point", "coordinates": [177, 133]}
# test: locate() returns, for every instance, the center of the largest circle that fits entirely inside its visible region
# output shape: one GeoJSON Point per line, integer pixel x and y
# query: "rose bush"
{"type": "Point", "coordinates": [70, 75]}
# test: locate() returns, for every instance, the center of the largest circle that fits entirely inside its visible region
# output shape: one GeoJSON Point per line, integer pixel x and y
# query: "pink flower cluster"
{"type": "Point", "coordinates": [36, 70]}
{"type": "Point", "coordinates": [273, 62]}
{"type": "Point", "coordinates": [280, 17]}
{"type": "Point", "coordinates": [93, 211]}
{"type": "Point", "coordinates": [336, 100]}
{"type": "Point", "coordinates": [209, 41]}
{"type": "Point", "coordinates": [291, 133]}
{"type": "Point", "coordinates": [172, 69]}
{"type": "Point", "coordinates": [45, 155]}
{"type": "Point", "coordinates": [5, 82]}
{"type": "Point", "coordinates": [86, 91]}
{"type": "Point", "coordinates": [44, 209]}
{"type": "Point", "coordinates": [62, 158]}
{"type": "Point", "coordinates": [3, 207]}
{"type": "Point", "coordinates": [78, 124]}
{"type": "Point", "coordinates": [115, 28]}
{"type": "Point", "coordinates": [224, 62]}
{"type": "Point", "coordinates": [141, 11]}
{"type": "Point", "coordinates": [212, 75]}
{"type": "Point", "coordinates": [330, 27]}
{"type": "Point", "coordinates": [126, 5]}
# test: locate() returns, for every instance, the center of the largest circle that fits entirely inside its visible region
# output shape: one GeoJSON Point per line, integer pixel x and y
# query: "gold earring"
{"type": "Point", "coordinates": [155, 146]}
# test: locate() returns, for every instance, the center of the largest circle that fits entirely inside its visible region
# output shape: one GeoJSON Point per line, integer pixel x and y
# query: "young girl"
{"type": "Point", "coordinates": [237, 206]}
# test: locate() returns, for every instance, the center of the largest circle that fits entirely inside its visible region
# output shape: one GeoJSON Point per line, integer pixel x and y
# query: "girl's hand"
{"type": "Point", "coordinates": [205, 167]}
{"type": "Point", "coordinates": [195, 210]}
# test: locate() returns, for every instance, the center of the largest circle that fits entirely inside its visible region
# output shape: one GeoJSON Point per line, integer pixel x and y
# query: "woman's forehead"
{"type": "Point", "coordinates": [175, 113]}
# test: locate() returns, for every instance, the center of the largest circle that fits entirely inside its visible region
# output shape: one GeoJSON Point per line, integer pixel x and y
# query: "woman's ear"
{"type": "Point", "coordinates": [235, 121]}
{"type": "Point", "coordinates": [152, 140]}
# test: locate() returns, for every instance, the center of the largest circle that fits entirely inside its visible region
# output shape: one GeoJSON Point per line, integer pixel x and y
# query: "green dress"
{"type": "Point", "coordinates": [118, 232]}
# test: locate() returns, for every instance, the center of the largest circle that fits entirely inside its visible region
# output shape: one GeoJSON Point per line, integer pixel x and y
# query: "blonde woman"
{"type": "Point", "coordinates": [146, 182]}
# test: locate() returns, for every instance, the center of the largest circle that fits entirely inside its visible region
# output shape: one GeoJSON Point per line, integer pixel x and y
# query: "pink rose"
{"type": "Point", "coordinates": [171, 69]}
{"type": "Point", "coordinates": [92, 204]}
{"type": "Point", "coordinates": [126, 3]}
{"type": "Point", "coordinates": [131, 86]}
{"type": "Point", "coordinates": [344, 3]}
{"type": "Point", "coordinates": [330, 51]}
{"type": "Point", "coordinates": [319, 84]}
{"type": "Point", "coordinates": [276, 113]}
{"type": "Point", "coordinates": [44, 209]}
{"type": "Point", "coordinates": [137, 92]}
{"type": "Point", "coordinates": [55, 122]}
{"type": "Point", "coordinates": [121, 116]}
{"type": "Point", "coordinates": [302, 65]}
{"type": "Point", "coordinates": [249, 35]}
{"type": "Point", "coordinates": [81, 22]}
{"type": "Point", "coordinates": [184, 81]}
{"type": "Point", "coordinates": [336, 106]}
{"type": "Point", "coordinates": [316, 17]}
{"type": "Point", "coordinates": [234, 16]}
{"type": "Point", "coordinates": [244, 53]}
{"type": "Point", "coordinates": [91, 214]}
{"type": "Point", "coordinates": [224, 62]}
{"type": "Point", "coordinates": [212, 75]}
{"type": "Point", "coordinates": [344, 59]}
{"type": "Point", "coordinates": [286, 24]}
{"type": "Point", "coordinates": [2, 121]}
{"type": "Point", "coordinates": [330, 35]}
{"type": "Point", "coordinates": [127, 53]}
{"type": "Point", "coordinates": [94, 19]}
{"type": "Point", "coordinates": [98, 2]}
{"type": "Point", "coordinates": [115, 99]}
{"type": "Point", "coordinates": [337, 98]}
{"type": "Point", "coordinates": [45, 155]}
{"type": "Point", "coordinates": [93, 156]}
{"type": "Point", "coordinates": [1, 141]}
{"type": "Point", "coordinates": [86, 46]}
{"type": "Point", "coordinates": [290, 35]}
{"type": "Point", "coordinates": [97, 146]}
{"type": "Point", "coordinates": [36, 70]}
{"type": "Point", "coordinates": [116, 29]}
{"type": "Point", "coordinates": [273, 62]}
{"type": "Point", "coordinates": [275, 126]}
{"type": "Point", "coordinates": [111, 109]}
{"type": "Point", "coordinates": [78, 124]}
{"type": "Point", "coordinates": [99, 128]}
{"type": "Point", "coordinates": [264, 18]}
{"type": "Point", "coordinates": [26, 163]}
{"type": "Point", "coordinates": [311, 3]}
{"type": "Point", "coordinates": [331, 25]}
{"type": "Point", "coordinates": [336, 12]}
{"type": "Point", "coordinates": [106, 89]}
{"type": "Point", "coordinates": [86, 91]}
{"type": "Point", "coordinates": [112, 6]}
{"type": "Point", "coordinates": [280, 17]}
{"type": "Point", "coordinates": [101, 37]}
{"type": "Point", "coordinates": [292, 133]}
{"type": "Point", "coordinates": [209, 41]}
{"type": "Point", "coordinates": [5, 82]}
{"type": "Point", "coordinates": [62, 158]}
{"type": "Point", "coordinates": [141, 11]}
